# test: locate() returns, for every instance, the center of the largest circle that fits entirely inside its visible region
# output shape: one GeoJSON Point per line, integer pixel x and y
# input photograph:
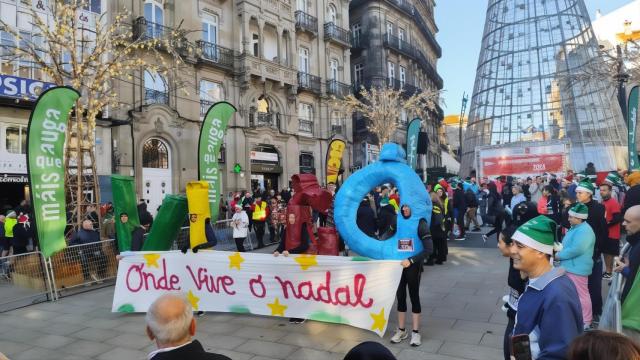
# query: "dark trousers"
{"type": "Point", "coordinates": [240, 244]}
{"type": "Point", "coordinates": [595, 287]}
{"type": "Point", "coordinates": [506, 344]}
{"type": "Point", "coordinates": [272, 234]}
{"type": "Point", "coordinates": [439, 249]}
{"type": "Point", "coordinates": [411, 279]}
{"type": "Point", "coordinates": [93, 257]}
{"type": "Point", "coordinates": [17, 250]}
{"type": "Point", "coordinates": [497, 226]}
{"type": "Point", "coordinates": [460, 220]}
{"type": "Point", "coordinates": [259, 228]}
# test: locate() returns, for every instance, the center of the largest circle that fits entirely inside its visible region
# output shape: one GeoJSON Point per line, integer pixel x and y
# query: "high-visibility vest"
{"type": "Point", "coordinates": [446, 205]}
{"type": "Point", "coordinates": [260, 211]}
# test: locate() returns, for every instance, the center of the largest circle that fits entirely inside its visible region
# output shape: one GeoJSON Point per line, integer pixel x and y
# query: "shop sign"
{"type": "Point", "coordinates": [263, 156]}
{"type": "Point", "coordinates": [266, 168]}
{"type": "Point", "coordinates": [13, 178]}
{"type": "Point", "coordinates": [17, 87]}
{"type": "Point", "coordinates": [307, 170]}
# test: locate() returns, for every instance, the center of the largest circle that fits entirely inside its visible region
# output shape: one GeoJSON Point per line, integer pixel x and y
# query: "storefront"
{"type": "Point", "coordinates": [265, 168]}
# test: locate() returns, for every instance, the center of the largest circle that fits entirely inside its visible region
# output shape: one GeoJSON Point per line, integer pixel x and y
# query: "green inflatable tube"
{"type": "Point", "coordinates": [167, 223]}
{"type": "Point", "coordinates": [124, 201]}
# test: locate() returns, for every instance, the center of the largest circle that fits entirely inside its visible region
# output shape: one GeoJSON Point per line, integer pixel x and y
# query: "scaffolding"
{"type": "Point", "coordinates": [524, 89]}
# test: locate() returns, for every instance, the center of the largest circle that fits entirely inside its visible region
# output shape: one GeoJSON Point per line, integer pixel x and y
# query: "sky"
{"type": "Point", "coordinates": [461, 23]}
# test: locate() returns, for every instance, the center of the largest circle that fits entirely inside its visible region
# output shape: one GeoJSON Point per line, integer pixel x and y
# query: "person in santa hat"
{"type": "Point", "coordinates": [22, 233]}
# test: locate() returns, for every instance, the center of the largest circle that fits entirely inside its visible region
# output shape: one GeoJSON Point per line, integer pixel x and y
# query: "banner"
{"type": "Point", "coordinates": [334, 160]}
{"type": "Point", "coordinates": [211, 134]}
{"type": "Point", "coordinates": [522, 161]}
{"type": "Point", "coordinates": [123, 189]}
{"type": "Point", "coordinates": [167, 223]}
{"type": "Point", "coordinates": [412, 142]}
{"type": "Point", "coordinates": [334, 289]}
{"type": "Point", "coordinates": [45, 165]}
{"type": "Point", "coordinates": [632, 119]}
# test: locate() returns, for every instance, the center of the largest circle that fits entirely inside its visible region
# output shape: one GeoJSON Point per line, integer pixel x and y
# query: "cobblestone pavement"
{"type": "Point", "coordinates": [461, 320]}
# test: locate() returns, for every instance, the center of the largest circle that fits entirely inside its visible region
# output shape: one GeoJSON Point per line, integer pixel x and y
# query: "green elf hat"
{"type": "Point", "coordinates": [537, 233]}
{"type": "Point", "coordinates": [586, 185]}
{"type": "Point", "coordinates": [579, 211]}
{"type": "Point", "coordinates": [612, 178]}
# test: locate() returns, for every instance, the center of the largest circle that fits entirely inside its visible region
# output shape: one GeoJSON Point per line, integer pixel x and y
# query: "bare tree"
{"type": "Point", "coordinates": [383, 105]}
{"type": "Point", "coordinates": [91, 55]}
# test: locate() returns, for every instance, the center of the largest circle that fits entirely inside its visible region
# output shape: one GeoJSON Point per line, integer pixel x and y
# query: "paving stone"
{"type": "Point", "coordinates": [61, 329]}
{"type": "Point", "coordinates": [229, 342]}
{"type": "Point", "coordinates": [92, 334]}
{"type": "Point", "coordinates": [411, 354]}
{"type": "Point", "coordinates": [122, 353]}
{"type": "Point", "coordinates": [256, 333]}
{"type": "Point", "coordinates": [266, 348]}
{"type": "Point", "coordinates": [467, 351]}
{"type": "Point", "coordinates": [259, 321]}
{"type": "Point", "coordinates": [344, 346]}
{"type": "Point", "coordinates": [35, 353]}
{"type": "Point", "coordinates": [87, 348]}
{"type": "Point", "coordinates": [462, 315]}
{"type": "Point", "coordinates": [462, 291]}
{"type": "Point", "coordinates": [234, 355]}
{"type": "Point", "coordinates": [498, 319]}
{"type": "Point", "coordinates": [492, 340]}
{"type": "Point", "coordinates": [130, 341]}
{"type": "Point", "coordinates": [465, 337]}
{"type": "Point", "coordinates": [477, 326]}
{"type": "Point", "coordinates": [262, 358]}
{"type": "Point", "coordinates": [35, 314]}
{"type": "Point", "coordinates": [51, 341]}
{"type": "Point", "coordinates": [107, 323]}
{"type": "Point", "coordinates": [10, 347]}
{"type": "Point", "coordinates": [205, 325]}
{"type": "Point", "coordinates": [306, 341]}
{"type": "Point", "coordinates": [21, 335]}
{"type": "Point", "coordinates": [310, 354]}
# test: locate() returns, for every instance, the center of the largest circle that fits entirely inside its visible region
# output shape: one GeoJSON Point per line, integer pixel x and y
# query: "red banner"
{"type": "Point", "coordinates": [522, 164]}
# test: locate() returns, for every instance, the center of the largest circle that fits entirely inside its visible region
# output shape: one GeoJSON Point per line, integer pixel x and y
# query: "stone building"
{"type": "Point", "coordinates": [394, 45]}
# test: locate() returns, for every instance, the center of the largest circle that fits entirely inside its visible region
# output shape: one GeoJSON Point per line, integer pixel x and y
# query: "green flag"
{"type": "Point", "coordinates": [211, 135]}
{"type": "Point", "coordinates": [632, 117]}
{"type": "Point", "coordinates": [412, 142]}
{"type": "Point", "coordinates": [630, 313]}
{"type": "Point", "coordinates": [45, 163]}
{"type": "Point", "coordinates": [123, 189]}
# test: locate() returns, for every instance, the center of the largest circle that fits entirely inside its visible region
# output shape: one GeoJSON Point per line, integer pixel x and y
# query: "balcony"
{"type": "Point", "coordinates": [155, 97]}
{"type": "Point", "coordinates": [306, 22]}
{"type": "Point", "coordinates": [392, 83]}
{"type": "Point", "coordinates": [265, 69]}
{"type": "Point", "coordinates": [215, 54]}
{"type": "Point", "coordinates": [264, 120]}
{"type": "Point", "coordinates": [308, 82]}
{"type": "Point", "coordinates": [338, 89]}
{"type": "Point", "coordinates": [426, 66]}
{"type": "Point", "coordinates": [306, 126]}
{"type": "Point", "coordinates": [204, 107]}
{"type": "Point", "coordinates": [335, 33]}
{"type": "Point", "coordinates": [359, 41]}
{"type": "Point", "coordinates": [399, 45]}
{"type": "Point", "coordinates": [338, 130]}
{"type": "Point", "coordinates": [424, 29]}
{"type": "Point", "coordinates": [147, 30]}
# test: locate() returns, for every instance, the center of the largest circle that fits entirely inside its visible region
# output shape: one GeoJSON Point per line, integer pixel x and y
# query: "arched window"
{"type": "Point", "coordinates": [155, 88]}
{"type": "Point", "coordinates": [155, 154]}
{"type": "Point", "coordinates": [332, 14]}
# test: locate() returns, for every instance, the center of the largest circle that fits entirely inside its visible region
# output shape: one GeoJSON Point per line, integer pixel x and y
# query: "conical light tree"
{"type": "Point", "coordinates": [90, 55]}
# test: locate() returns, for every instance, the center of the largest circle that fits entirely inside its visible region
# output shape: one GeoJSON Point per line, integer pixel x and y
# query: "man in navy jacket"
{"type": "Point", "coordinates": [549, 309]}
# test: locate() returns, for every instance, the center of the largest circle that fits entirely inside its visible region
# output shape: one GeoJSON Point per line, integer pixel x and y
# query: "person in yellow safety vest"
{"type": "Point", "coordinates": [7, 241]}
{"type": "Point", "coordinates": [448, 208]}
{"type": "Point", "coordinates": [260, 212]}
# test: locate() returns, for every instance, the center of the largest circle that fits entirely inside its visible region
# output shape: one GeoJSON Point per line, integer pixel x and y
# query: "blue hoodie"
{"type": "Point", "coordinates": [576, 255]}
{"type": "Point", "coordinates": [549, 312]}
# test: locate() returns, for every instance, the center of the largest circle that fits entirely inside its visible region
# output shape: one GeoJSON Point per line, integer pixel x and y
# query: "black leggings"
{"type": "Point", "coordinates": [411, 278]}
{"type": "Point", "coordinates": [440, 248]}
{"type": "Point", "coordinates": [506, 343]}
{"type": "Point", "coordinates": [497, 226]}
{"type": "Point", "coordinates": [240, 243]}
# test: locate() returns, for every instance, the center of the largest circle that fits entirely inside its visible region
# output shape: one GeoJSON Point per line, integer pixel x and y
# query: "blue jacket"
{"type": "Point", "coordinates": [469, 185]}
{"type": "Point", "coordinates": [576, 255]}
{"type": "Point", "coordinates": [549, 311]}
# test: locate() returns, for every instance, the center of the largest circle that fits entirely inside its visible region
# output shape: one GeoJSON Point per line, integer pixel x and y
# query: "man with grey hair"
{"type": "Point", "coordinates": [171, 325]}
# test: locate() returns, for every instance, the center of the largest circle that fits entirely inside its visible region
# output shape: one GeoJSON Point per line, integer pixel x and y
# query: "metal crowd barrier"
{"type": "Point", "coordinates": [24, 280]}
{"type": "Point", "coordinates": [224, 234]}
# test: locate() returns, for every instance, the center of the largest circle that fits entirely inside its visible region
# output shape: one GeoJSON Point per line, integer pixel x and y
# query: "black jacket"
{"type": "Point", "coordinates": [470, 199]}
{"type": "Point", "coordinates": [21, 235]}
{"type": "Point", "coordinates": [366, 220]}
{"type": "Point", "coordinates": [427, 243]}
{"type": "Point", "coordinates": [85, 237]}
{"type": "Point", "coordinates": [631, 198]}
{"type": "Point", "coordinates": [192, 351]}
{"type": "Point", "coordinates": [386, 221]}
{"type": "Point", "coordinates": [634, 263]}
{"type": "Point", "coordinates": [137, 239]}
{"type": "Point", "coordinates": [459, 200]}
{"type": "Point", "coordinates": [598, 223]}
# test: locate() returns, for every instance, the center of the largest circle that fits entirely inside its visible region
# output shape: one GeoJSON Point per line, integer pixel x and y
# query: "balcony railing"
{"type": "Point", "coordinates": [424, 29]}
{"type": "Point", "coordinates": [268, 120]}
{"type": "Point", "coordinates": [399, 45]}
{"type": "Point", "coordinates": [338, 129]}
{"type": "Point", "coordinates": [338, 89]}
{"type": "Point", "coordinates": [426, 66]}
{"type": "Point", "coordinates": [336, 33]}
{"type": "Point", "coordinates": [155, 97]}
{"type": "Point", "coordinates": [392, 83]}
{"type": "Point", "coordinates": [306, 126]}
{"type": "Point", "coordinates": [308, 82]}
{"type": "Point", "coordinates": [306, 22]}
{"type": "Point", "coordinates": [215, 54]}
{"type": "Point", "coordinates": [359, 41]}
{"type": "Point", "coordinates": [204, 107]}
{"type": "Point", "coordinates": [142, 28]}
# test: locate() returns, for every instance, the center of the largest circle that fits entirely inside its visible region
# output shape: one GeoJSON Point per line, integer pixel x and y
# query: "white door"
{"type": "Point", "coordinates": [210, 30]}
{"type": "Point", "coordinates": [303, 62]}
{"type": "Point", "coordinates": [154, 13]}
{"type": "Point", "coordinates": [333, 69]}
{"type": "Point", "coordinates": [389, 28]}
{"type": "Point", "coordinates": [403, 76]}
{"type": "Point", "coordinates": [392, 70]}
{"type": "Point", "coordinates": [301, 5]}
{"type": "Point", "coordinates": [156, 173]}
{"type": "Point", "coordinates": [332, 15]}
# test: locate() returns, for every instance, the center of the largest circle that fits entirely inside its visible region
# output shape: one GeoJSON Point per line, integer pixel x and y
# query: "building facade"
{"type": "Point", "coordinates": [277, 62]}
{"type": "Point", "coordinates": [394, 45]}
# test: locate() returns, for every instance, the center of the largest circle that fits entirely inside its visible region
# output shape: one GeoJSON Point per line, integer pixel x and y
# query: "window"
{"type": "Point", "coordinates": [210, 30]}
{"type": "Point", "coordinates": [94, 6]}
{"type": "Point", "coordinates": [7, 43]}
{"type": "Point", "coordinates": [303, 60]}
{"type": "Point", "coordinates": [16, 139]}
{"type": "Point", "coordinates": [155, 154]}
{"type": "Point", "coordinates": [255, 39]}
{"type": "Point", "coordinates": [403, 76]}
{"type": "Point", "coordinates": [153, 12]}
{"type": "Point", "coordinates": [306, 160]}
{"type": "Point", "coordinates": [356, 31]}
{"type": "Point", "coordinates": [333, 69]}
{"type": "Point", "coordinates": [391, 68]}
{"type": "Point", "coordinates": [401, 34]}
{"type": "Point", "coordinates": [358, 74]}
{"type": "Point", "coordinates": [263, 105]}
{"type": "Point", "coordinates": [389, 28]}
{"type": "Point", "coordinates": [403, 117]}
{"type": "Point", "coordinates": [305, 116]}
{"type": "Point", "coordinates": [211, 91]}
{"type": "Point", "coordinates": [155, 88]}
{"type": "Point", "coordinates": [332, 14]}
{"type": "Point", "coordinates": [301, 5]}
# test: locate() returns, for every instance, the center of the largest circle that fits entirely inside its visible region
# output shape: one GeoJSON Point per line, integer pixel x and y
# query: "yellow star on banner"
{"type": "Point", "coordinates": [193, 299]}
{"type": "Point", "coordinates": [235, 260]}
{"type": "Point", "coordinates": [277, 308]}
{"type": "Point", "coordinates": [379, 321]}
{"type": "Point", "coordinates": [306, 261]}
{"type": "Point", "coordinates": [152, 259]}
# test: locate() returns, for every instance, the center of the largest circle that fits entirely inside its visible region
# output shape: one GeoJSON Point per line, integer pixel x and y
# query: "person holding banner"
{"type": "Point", "coordinates": [411, 279]}
{"type": "Point", "coordinates": [240, 224]}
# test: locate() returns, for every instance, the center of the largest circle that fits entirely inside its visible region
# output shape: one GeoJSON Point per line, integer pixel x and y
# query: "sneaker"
{"type": "Point", "coordinates": [416, 339]}
{"type": "Point", "coordinates": [399, 336]}
{"type": "Point", "coordinates": [200, 313]}
{"type": "Point", "coordinates": [95, 278]}
{"type": "Point", "coordinates": [484, 238]}
{"type": "Point", "coordinates": [606, 276]}
{"type": "Point", "coordinates": [459, 238]}
{"type": "Point", "coordinates": [589, 327]}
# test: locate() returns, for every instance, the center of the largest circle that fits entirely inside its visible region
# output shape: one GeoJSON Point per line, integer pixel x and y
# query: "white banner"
{"type": "Point", "coordinates": [333, 289]}
{"type": "Point", "coordinates": [264, 156]}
